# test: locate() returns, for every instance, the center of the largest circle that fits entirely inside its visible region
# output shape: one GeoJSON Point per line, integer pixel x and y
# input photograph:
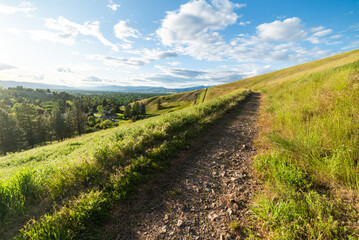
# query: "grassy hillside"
{"type": "Point", "coordinates": [171, 103]}
{"type": "Point", "coordinates": [260, 83]}
{"type": "Point", "coordinates": [310, 170]}
{"type": "Point", "coordinates": [308, 149]}
{"type": "Point", "coordinates": [308, 158]}
{"type": "Point", "coordinates": [68, 192]}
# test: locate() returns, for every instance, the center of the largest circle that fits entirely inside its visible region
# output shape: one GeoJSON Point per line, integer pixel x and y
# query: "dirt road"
{"type": "Point", "coordinates": [205, 189]}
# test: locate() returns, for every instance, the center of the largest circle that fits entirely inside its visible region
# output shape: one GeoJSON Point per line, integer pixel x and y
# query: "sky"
{"type": "Point", "coordinates": [167, 43]}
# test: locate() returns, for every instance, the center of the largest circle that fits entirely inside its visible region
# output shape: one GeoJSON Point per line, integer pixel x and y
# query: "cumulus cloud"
{"type": "Point", "coordinates": [291, 29]}
{"type": "Point", "coordinates": [123, 30]}
{"type": "Point", "coordinates": [197, 21]}
{"type": "Point", "coordinates": [24, 7]}
{"type": "Point", "coordinates": [194, 30]}
{"type": "Point", "coordinates": [67, 31]}
{"type": "Point", "coordinates": [4, 66]}
{"type": "Point", "coordinates": [113, 6]}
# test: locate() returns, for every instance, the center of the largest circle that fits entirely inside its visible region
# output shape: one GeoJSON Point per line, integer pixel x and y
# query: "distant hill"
{"type": "Point", "coordinates": [109, 88]}
{"type": "Point", "coordinates": [144, 89]}
{"type": "Point", "coordinates": [7, 84]}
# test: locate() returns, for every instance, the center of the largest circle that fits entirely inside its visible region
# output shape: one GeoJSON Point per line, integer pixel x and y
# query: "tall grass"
{"type": "Point", "coordinates": [114, 170]}
{"type": "Point", "coordinates": [314, 137]}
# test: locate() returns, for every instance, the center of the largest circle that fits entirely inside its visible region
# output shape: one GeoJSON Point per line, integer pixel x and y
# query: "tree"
{"type": "Point", "coordinates": [100, 109]}
{"type": "Point", "coordinates": [25, 114]}
{"type": "Point", "coordinates": [42, 129]}
{"type": "Point", "coordinates": [10, 134]}
{"type": "Point", "coordinates": [142, 109]}
{"type": "Point", "coordinates": [69, 123]}
{"type": "Point", "coordinates": [127, 112]}
{"type": "Point", "coordinates": [57, 123]}
{"type": "Point", "coordinates": [79, 116]}
{"type": "Point", "coordinates": [113, 112]}
{"type": "Point", "coordinates": [135, 110]}
{"type": "Point", "coordinates": [159, 106]}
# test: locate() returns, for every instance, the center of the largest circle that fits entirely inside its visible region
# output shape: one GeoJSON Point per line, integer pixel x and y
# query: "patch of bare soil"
{"type": "Point", "coordinates": [206, 188]}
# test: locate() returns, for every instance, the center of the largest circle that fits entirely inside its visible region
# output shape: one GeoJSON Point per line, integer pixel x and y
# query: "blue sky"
{"type": "Point", "coordinates": [167, 43]}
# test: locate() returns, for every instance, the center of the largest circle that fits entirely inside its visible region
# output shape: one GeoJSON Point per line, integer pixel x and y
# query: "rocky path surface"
{"type": "Point", "coordinates": [205, 189]}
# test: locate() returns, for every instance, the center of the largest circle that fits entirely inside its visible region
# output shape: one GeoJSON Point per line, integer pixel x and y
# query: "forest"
{"type": "Point", "coordinates": [33, 117]}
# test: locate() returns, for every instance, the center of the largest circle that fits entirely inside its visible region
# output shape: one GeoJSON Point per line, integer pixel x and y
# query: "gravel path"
{"type": "Point", "coordinates": [205, 189]}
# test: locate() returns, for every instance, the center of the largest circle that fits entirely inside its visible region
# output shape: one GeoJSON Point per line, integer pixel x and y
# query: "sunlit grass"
{"type": "Point", "coordinates": [122, 160]}
{"type": "Point", "coordinates": [314, 137]}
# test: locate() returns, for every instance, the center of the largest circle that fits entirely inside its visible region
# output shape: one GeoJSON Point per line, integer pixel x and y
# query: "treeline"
{"type": "Point", "coordinates": [34, 117]}
{"type": "Point", "coordinates": [135, 111]}
{"type": "Point", "coordinates": [26, 126]}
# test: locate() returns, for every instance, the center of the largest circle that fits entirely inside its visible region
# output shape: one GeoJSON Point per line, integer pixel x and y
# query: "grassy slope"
{"type": "Point", "coordinates": [92, 178]}
{"type": "Point", "coordinates": [171, 103]}
{"type": "Point", "coordinates": [310, 123]}
{"type": "Point", "coordinates": [309, 150]}
{"type": "Point", "coordinates": [270, 84]}
{"type": "Point", "coordinates": [263, 82]}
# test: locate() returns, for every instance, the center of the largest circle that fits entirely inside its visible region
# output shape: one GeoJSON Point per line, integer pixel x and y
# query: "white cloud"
{"type": "Point", "coordinates": [196, 22]}
{"type": "Point", "coordinates": [145, 56]}
{"type": "Point", "coordinates": [193, 30]}
{"type": "Point", "coordinates": [291, 29]}
{"type": "Point", "coordinates": [174, 64]}
{"type": "Point", "coordinates": [14, 31]}
{"type": "Point", "coordinates": [113, 6]}
{"type": "Point", "coordinates": [244, 23]}
{"type": "Point", "coordinates": [120, 61]}
{"type": "Point", "coordinates": [67, 31]}
{"type": "Point", "coordinates": [336, 36]}
{"type": "Point", "coordinates": [4, 66]}
{"type": "Point", "coordinates": [126, 46]}
{"type": "Point", "coordinates": [64, 70]}
{"type": "Point", "coordinates": [93, 79]}
{"type": "Point", "coordinates": [181, 77]}
{"type": "Point", "coordinates": [24, 7]}
{"type": "Point", "coordinates": [317, 29]}
{"type": "Point", "coordinates": [180, 72]}
{"type": "Point", "coordinates": [319, 32]}
{"type": "Point", "coordinates": [123, 31]}
{"type": "Point", "coordinates": [354, 27]}
{"type": "Point", "coordinates": [323, 32]}
{"type": "Point", "coordinates": [351, 46]}
{"type": "Point", "coordinates": [39, 35]}
{"type": "Point", "coordinates": [334, 43]}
